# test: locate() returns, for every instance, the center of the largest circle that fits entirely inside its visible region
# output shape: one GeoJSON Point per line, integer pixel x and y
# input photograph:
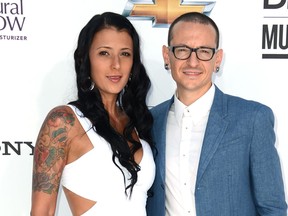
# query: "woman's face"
{"type": "Point", "coordinates": [111, 58]}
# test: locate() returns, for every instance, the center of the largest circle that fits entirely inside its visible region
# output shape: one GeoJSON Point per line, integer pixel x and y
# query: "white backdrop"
{"type": "Point", "coordinates": [37, 73]}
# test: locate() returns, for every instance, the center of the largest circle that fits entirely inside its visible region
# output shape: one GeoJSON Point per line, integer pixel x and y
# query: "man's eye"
{"type": "Point", "coordinates": [182, 50]}
{"type": "Point", "coordinates": [204, 51]}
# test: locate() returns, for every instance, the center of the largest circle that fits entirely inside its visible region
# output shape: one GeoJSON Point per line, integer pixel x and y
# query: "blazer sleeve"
{"type": "Point", "coordinates": [265, 166]}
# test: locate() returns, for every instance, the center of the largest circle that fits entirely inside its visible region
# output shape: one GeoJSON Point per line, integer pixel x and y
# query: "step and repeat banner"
{"type": "Point", "coordinates": [37, 41]}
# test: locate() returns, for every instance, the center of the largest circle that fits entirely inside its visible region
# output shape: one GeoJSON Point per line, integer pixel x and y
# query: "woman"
{"type": "Point", "coordinates": [98, 146]}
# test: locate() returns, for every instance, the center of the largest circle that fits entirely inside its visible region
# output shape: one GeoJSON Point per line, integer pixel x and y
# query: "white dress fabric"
{"type": "Point", "coordinates": [94, 176]}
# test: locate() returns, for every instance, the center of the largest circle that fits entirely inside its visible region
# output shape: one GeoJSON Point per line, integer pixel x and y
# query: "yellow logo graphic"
{"type": "Point", "coordinates": [163, 12]}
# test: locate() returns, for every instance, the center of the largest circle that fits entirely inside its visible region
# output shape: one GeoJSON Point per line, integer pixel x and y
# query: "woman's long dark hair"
{"type": "Point", "coordinates": [132, 99]}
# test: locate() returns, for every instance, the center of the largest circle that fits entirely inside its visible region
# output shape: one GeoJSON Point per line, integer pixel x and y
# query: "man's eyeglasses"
{"type": "Point", "coordinates": [184, 52]}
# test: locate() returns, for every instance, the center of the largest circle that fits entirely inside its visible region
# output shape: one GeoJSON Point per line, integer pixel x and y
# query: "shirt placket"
{"type": "Point", "coordinates": [185, 177]}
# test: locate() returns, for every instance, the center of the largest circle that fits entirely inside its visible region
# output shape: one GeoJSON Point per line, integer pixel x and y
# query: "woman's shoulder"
{"type": "Point", "coordinates": [62, 114]}
{"type": "Point", "coordinates": [61, 120]}
{"type": "Point", "coordinates": [62, 108]}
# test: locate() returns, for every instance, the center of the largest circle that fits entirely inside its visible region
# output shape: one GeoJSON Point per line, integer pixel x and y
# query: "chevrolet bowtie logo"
{"type": "Point", "coordinates": [163, 12]}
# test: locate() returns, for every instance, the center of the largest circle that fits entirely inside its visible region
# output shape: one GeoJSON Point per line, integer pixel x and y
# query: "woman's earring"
{"type": "Point", "coordinates": [217, 69]}
{"type": "Point", "coordinates": [88, 85]}
{"type": "Point", "coordinates": [92, 86]}
{"type": "Point", "coordinates": [166, 66]}
{"type": "Point", "coordinates": [129, 80]}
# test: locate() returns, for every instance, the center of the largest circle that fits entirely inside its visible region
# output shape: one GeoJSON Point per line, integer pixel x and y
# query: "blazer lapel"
{"type": "Point", "coordinates": [159, 130]}
{"type": "Point", "coordinates": [215, 130]}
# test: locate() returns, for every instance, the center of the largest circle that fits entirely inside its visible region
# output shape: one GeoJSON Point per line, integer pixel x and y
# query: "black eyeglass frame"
{"type": "Point", "coordinates": [172, 48]}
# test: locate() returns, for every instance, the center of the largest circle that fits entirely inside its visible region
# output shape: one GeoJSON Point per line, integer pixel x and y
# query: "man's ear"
{"type": "Point", "coordinates": [165, 54]}
{"type": "Point", "coordinates": [219, 57]}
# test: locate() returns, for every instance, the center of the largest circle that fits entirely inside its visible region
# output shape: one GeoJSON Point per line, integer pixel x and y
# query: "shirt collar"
{"type": "Point", "coordinates": [201, 106]}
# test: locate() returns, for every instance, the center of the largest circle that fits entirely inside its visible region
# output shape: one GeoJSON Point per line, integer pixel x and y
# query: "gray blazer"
{"type": "Point", "coordinates": [239, 172]}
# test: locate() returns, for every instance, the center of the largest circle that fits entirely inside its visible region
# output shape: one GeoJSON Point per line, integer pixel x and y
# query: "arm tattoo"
{"type": "Point", "coordinates": [51, 150]}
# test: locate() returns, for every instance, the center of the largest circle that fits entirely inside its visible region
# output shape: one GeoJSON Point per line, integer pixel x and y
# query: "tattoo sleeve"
{"type": "Point", "coordinates": [51, 150]}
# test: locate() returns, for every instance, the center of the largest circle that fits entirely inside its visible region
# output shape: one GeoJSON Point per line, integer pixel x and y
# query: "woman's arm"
{"type": "Point", "coordinates": [50, 155]}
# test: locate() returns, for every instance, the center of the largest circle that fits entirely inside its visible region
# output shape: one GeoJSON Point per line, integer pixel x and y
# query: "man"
{"type": "Point", "coordinates": [216, 153]}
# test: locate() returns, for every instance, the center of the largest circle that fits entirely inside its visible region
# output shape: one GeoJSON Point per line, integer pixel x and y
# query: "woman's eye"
{"type": "Point", "coordinates": [103, 53]}
{"type": "Point", "coordinates": [126, 54]}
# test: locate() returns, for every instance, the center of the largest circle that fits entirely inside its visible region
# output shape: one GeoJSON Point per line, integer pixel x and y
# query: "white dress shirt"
{"type": "Point", "coordinates": [185, 133]}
